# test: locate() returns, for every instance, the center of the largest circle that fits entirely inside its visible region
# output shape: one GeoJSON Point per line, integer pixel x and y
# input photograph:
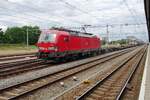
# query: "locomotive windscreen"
{"type": "Point", "coordinates": [47, 37]}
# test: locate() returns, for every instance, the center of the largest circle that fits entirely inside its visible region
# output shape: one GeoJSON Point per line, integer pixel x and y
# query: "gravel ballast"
{"type": "Point", "coordinates": [5, 83]}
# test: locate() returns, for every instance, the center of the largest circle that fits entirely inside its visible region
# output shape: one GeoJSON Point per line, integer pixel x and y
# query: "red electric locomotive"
{"type": "Point", "coordinates": [57, 43]}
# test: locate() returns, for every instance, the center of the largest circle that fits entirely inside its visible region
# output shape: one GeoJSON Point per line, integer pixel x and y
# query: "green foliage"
{"type": "Point", "coordinates": [104, 42]}
{"type": "Point", "coordinates": [18, 35]}
{"type": "Point", "coordinates": [1, 37]}
{"type": "Point", "coordinates": [17, 47]}
{"type": "Point", "coordinates": [122, 41]}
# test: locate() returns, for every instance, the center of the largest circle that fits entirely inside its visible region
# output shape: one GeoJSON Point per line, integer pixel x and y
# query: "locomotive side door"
{"type": "Point", "coordinates": [66, 43]}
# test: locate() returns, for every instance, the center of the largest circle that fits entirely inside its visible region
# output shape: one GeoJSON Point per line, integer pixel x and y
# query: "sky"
{"type": "Point", "coordinates": [76, 13]}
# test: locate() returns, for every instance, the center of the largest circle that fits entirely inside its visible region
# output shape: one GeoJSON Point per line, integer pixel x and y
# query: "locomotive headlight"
{"type": "Point", "coordinates": [52, 48]}
{"type": "Point", "coordinates": [41, 48]}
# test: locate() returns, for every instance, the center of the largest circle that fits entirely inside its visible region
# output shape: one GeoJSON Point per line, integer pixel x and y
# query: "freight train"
{"type": "Point", "coordinates": [60, 43]}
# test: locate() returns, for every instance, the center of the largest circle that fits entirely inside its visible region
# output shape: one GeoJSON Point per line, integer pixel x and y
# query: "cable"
{"type": "Point", "coordinates": [130, 10]}
{"type": "Point", "coordinates": [39, 18]}
{"type": "Point", "coordinates": [103, 26]}
{"type": "Point", "coordinates": [24, 18]}
{"type": "Point", "coordinates": [72, 6]}
{"type": "Point", "coordinates": [68, 5]}
{"type": "Point", "coordinates": [134, 10]}
{"type": "Point", "coordinates": [37, 10]}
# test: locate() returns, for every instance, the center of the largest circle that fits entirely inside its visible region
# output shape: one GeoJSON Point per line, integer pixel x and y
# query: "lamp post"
{"type": "Point", "coordinates": [107, 31]}
{"type": "Point", "coordinates": [27, 31]}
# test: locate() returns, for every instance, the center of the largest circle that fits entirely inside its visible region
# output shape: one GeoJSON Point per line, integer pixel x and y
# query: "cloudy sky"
{"type": "Point", "coordinates": [76, 13]}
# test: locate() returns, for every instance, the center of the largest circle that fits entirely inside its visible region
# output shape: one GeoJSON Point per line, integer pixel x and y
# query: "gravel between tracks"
{"type": "Point", "coordinates": [17, 60]}
{"type": "Point", "coordinates": [70, 94]}
{"type": "Point", "coordinates": [54, 89]}
{"type": "Point", "coordinates": [133, 88]}
{"type": "Point", "coordinates": [15, 52]}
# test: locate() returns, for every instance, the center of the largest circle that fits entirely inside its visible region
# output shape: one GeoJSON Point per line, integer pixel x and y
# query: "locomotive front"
{"type": "Point", "coordinates": [47, 44]}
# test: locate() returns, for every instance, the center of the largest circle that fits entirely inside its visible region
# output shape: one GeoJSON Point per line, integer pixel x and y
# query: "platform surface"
{"type": "Point", "coordinates": [145, 87]}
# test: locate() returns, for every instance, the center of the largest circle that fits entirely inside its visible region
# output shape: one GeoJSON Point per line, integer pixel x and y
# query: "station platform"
{"type": "Point", "coordinates": [145, 87]}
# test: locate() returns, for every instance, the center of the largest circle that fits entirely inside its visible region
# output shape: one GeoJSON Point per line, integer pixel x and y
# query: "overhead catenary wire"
{"type": "Point", "coordinates": [41, 19]}
{"type": "Point", "coordinates": [131, 11]}
{"type": "Point", "coordinates": [26, 6]}
{"type": "Point", "coordinates": [123, 2]}
{"type": "Point", "coordinates": [38, 17]}
{"type": "Point", "coordinates": [26, 17]}
{"type": "Point", "coordinates": [20, 17]}
{"type": "Point", "coordinates": [105, 25]}
{"type": "Point", "coordinates": [134, 10]}
{"type": "Point", "coordinates": [74, 7]}
{"type": "Point", "coordinates": [61, 1]}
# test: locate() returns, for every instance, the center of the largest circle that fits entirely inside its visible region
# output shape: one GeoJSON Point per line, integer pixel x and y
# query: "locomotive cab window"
{"type": "Point", "coordinates": [47, 37]}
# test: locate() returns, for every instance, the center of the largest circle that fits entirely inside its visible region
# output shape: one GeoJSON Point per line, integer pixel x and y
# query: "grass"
{"type": "Point", "coordinates": [17, 47]}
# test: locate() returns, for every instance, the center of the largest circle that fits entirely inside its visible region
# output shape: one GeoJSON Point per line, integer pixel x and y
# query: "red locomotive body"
{"type": "Point", "coordinates": [56, 43]}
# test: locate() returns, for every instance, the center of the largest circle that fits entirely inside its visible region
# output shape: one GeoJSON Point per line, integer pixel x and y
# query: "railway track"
{"type": "Point", "coordinates": [24, 66]}
{"type": "Point", "coordinates": [15, 57]}
{"type": "Point", "coordinates": [15, 91]}
{"type": "Point", "coordinates": [113, 85]}
{"type": "Point", "coordinates": [133, 88]}
{"type": "Point", "coordinates": [82, 90]}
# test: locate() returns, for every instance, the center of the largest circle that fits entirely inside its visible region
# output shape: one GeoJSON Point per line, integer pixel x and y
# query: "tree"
{"type": "Point", "coordinates": [33, 32]}
{"type": "Point", "coordinates": [1, 37]}
{"type": "Point", "coordinates": [17, 35]}
{"type": "Point", "coordinates": [4, 38]}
